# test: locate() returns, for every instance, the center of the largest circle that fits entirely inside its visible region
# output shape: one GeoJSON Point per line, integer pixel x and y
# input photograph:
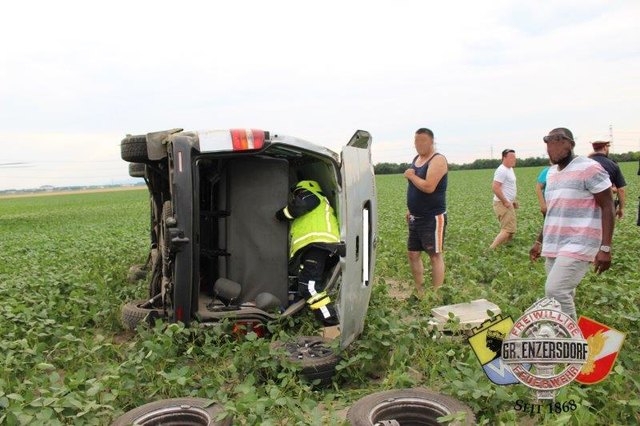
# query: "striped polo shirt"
{"type": "Point", "coordinates": [573, 224]}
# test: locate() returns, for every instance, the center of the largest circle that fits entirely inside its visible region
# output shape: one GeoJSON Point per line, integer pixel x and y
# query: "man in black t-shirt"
{"type": "Point", "coordinates": [600, 154]}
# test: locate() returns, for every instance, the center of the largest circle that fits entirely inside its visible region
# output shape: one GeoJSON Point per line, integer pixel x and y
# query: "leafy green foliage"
{"type": "Point", "coordinates": [64, 358]}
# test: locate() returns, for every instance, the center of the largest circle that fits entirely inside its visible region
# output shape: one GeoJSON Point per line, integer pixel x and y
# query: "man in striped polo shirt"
{"type": "Point", "coordinates": [579, 223]}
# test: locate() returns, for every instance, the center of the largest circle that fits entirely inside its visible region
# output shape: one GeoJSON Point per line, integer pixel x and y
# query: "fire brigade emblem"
{"type": "Point", "coordinates": [551, 342]}
{"type": "Point", "coordinates": [604, 345]}
{"type": "Point", "coordinates": [545, 349]}
{"type": "Point", "coordinates": [486, 343]}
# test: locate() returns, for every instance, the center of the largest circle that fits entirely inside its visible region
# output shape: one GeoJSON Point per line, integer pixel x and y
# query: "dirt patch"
{"type": "Point", "coordinates": [400, 290]}
{"type": "Point", "coordinates": [342, 414]}
{"type": "Point", "coordinates": [123, 337]}
{"type": "Point", "coordinates": [338, 413]}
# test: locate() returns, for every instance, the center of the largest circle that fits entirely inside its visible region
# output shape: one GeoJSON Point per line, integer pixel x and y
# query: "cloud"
{"type": "Point", "coordinates": [479, 74]}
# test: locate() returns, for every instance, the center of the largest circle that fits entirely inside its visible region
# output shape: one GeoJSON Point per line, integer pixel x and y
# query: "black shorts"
{"type": "Point", "coordinates": [427, 233]}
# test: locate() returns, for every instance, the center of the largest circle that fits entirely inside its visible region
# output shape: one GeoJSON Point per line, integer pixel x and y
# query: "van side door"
{"type": "Point", "coordinates": [358, 213]}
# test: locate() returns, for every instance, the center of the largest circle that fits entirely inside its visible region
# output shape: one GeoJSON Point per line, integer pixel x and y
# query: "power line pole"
{"type": "Point", "coordinates": [611, 137]}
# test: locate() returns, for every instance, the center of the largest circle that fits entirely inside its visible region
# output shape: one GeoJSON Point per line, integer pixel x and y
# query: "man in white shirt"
{"type": "Point", "coordinates": [504, 197]}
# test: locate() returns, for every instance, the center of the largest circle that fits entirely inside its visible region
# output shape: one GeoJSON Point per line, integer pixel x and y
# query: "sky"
{"type": "Point", "coordinates": [77, 76]}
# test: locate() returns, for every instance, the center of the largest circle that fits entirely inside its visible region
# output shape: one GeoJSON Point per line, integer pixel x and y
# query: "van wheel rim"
{"type": "Point", "coordinates": [309, 350]}
{"type": "Point", "coordinates": [182, 415]}
{"type": "Point", "coordinates": [409, 410]}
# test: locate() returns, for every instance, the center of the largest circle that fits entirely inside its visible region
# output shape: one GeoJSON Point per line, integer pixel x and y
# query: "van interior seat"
{"type": "Point", "coordinates": [256, 241]}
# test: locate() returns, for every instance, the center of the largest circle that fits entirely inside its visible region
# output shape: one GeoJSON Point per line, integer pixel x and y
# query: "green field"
{"type": "Point", "coordinates": [65, 359]}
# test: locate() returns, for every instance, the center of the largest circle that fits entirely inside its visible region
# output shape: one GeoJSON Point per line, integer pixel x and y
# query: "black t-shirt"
{"type": "Point", "coordinates": [423, 204]}
{"type": "Point", "coordinates": [612, 169]}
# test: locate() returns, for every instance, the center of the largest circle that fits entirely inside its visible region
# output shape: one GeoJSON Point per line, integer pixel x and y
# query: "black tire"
{"type": "Point", "coordinates": [134, 149]}
{"type": "Point", "coordinates": [175, 411]}
{"type": "Point", "coordinates": [136, 170]}
{"type": "Point", "coordinates": [132, 314]}
{"type": "Point", "coordinates": [406, 406]}
{"type": "Point", "coordinates": [313, 354]}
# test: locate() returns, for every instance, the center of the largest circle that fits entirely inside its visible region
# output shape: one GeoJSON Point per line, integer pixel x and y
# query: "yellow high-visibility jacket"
{"type": "Point", "coordinates": [319, 225]}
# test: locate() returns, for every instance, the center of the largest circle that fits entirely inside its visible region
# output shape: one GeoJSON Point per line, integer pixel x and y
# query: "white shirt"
{"type": "Point", "coordinates": [507, 178]}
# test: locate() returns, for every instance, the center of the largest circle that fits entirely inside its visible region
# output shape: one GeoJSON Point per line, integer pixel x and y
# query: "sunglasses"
{"type": "Point", "coordinates": [556, 138]}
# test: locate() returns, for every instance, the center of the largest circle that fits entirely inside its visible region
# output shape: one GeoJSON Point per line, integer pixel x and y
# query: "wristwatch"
{"type": "Point", "coordinates": [606, 249]}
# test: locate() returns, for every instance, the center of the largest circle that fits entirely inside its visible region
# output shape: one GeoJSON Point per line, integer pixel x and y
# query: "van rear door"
{"type": "Point", "coordinates": [358, 213]}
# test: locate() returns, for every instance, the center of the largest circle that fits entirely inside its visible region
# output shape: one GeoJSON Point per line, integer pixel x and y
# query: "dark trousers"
{"type": "Point", "coordinates": [311, 285]}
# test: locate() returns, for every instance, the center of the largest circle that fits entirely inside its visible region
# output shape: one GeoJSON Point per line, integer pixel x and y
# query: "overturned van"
{"type": "Point", "coordinates": [213, 198]}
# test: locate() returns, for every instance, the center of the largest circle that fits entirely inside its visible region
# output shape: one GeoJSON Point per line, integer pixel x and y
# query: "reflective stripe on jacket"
{"type": "Point", "coordinates": [320, 225]}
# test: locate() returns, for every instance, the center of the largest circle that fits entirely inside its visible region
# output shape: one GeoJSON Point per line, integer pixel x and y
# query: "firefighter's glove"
{"type": "Point", "coordinates": [283, 214]}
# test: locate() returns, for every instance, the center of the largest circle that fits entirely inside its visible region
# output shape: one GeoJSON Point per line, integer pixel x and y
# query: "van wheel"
{"type": "Point", "coordinates": [132, 314]}
{"type": "Point", "coordinates": [175, 411]}
{"type": "Point", "coordinates": [136, 170]}
{"type": "Point", "coordinates": [406, 406]}
{"type": "Point", "coordinates": [134, 149]}
{"type": "Point", "coordinates": [313, 353]}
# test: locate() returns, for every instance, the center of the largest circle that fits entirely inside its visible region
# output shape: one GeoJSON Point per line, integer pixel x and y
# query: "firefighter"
{"type": "Point", "coordinates": [313, 240]}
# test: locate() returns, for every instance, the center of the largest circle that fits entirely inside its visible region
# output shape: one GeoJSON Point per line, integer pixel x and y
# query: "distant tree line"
{"type": "Point", "coordinates": [484, 163]}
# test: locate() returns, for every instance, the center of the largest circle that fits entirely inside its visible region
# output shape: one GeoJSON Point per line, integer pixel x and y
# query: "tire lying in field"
{"type": "Point", "coordinates": [175, 411]}
{"type": "Point", "coordinates": [406, 406]}
{"type": "Point", "coordinates": [134, 149]}
{"type": "Point", "coordinates": [313, 354]}
{"type": "Point", "coordinates": [136, 170]}
{"type": "Point", "coordinates": [132, 313]}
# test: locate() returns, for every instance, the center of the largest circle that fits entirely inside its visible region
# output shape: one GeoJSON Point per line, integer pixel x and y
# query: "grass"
{"type": "Point", "coordinates": [64, 358]}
